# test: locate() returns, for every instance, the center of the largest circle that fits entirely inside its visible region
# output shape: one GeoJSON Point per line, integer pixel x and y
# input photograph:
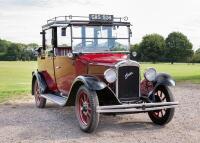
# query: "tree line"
{"type": "Point", "coordinates": [153, 48]}
{"type": "Point", "coordinates": [175, 48]}
{"type": "Point", "coordinates": [10, 51]}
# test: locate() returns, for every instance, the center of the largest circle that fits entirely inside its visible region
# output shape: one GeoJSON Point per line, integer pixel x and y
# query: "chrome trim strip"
{"type": "Point", "coordinates": [146, 105]}
{"type": "Point", "coordinates": [135, 108]}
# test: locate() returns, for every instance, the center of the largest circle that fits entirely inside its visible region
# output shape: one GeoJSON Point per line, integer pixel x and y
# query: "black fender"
{"type": "Point", "coordinates": [164, 79]}
{"type": "Point", "coordinates": [41, 82]}
{"type": "Point", "coordinates": [93, 84]}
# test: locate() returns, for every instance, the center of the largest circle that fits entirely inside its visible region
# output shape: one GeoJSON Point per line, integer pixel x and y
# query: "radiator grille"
{"type": "Point", "coordinates": [128, 83]}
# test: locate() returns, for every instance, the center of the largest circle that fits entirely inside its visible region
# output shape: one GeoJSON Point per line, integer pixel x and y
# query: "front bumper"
{"type": "Point", "coordinates": [136, 108]}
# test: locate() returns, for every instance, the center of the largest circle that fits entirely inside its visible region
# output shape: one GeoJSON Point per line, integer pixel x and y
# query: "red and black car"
{"type": "Point", "coordinates": [85, 62]}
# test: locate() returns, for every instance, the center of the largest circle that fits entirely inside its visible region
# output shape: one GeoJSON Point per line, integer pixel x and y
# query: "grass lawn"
{"type": "Point", "coordinates": [15, 77]}
{"type": "Point", "coordinates": [181, 72]}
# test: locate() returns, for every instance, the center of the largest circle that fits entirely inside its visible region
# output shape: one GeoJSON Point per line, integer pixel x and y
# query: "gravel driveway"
{"type": "Point", "coordinates": [21, 121]}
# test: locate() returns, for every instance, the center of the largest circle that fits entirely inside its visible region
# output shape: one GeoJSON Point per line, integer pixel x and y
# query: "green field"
{"type": "Point", "coordinates": [15, 77]}
{"type": "Point", "coordinates": [179, 71]}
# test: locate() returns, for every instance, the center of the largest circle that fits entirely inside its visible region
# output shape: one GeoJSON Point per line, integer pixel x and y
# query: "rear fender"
{"type": "Point", "coordinates": [41, 82]}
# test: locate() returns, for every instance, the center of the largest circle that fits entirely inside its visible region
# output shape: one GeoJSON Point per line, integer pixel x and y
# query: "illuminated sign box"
{"type": "Point", "coordinates": [101, 17]}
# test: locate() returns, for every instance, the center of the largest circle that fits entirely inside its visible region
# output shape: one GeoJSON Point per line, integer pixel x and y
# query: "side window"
{"type": "Point", "coordinates": [48, 39]}
{"type": "Point", "coordinates": [63, 41]}
{"type": "Point", "coordinates": [64, 37]}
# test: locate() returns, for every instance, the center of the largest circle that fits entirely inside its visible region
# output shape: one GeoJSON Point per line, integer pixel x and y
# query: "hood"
{"type": "Point", "coordinates": [103, 59]}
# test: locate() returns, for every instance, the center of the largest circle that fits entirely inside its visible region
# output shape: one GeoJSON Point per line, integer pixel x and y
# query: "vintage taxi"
{"type": "Point", "coordinates": [85, 62]}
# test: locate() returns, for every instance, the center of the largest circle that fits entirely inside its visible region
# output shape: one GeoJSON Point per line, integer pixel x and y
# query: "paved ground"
{"type": "Point", "coordinates": [21, 121]}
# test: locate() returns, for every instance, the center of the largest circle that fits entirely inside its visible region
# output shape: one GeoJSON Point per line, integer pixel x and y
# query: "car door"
{"type": "Point", "coordinates": [64, 72]}
{"type": "Point", "coordinates": [64, 65]}
{"type": "Point", "coordinates": [45, 61]}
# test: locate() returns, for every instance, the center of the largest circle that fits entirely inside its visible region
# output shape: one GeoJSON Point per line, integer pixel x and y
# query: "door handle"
{"type": "Point", "coordinates": [58, 67]}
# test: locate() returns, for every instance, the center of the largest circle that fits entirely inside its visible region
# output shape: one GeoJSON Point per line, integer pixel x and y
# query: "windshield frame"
{"type": "Point", "coordinates": [111, 25]}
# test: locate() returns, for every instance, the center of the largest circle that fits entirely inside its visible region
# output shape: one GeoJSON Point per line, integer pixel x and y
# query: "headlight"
{"type": "Point", "coordinates": [150, 74]}
{"type": "Point", "coordinates": [110, 75]}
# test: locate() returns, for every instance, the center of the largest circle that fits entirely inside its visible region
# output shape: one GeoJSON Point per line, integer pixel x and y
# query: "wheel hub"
{"type": "Point", "coordinates": [85, 107]}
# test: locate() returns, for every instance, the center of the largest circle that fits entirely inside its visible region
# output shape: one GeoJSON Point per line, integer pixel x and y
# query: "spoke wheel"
{"type": "Point", "coordinates": [39, 101]}
{"type": "Point", "coordinates": [164, 116]}
{"type": "Point", "coordinates": [86, 103]}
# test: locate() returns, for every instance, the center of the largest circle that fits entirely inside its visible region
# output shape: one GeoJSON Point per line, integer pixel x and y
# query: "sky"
{"type": "Point", "coordinates": [21, 20]}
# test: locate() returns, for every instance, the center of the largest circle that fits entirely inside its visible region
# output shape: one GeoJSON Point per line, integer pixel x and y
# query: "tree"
{"type": "Point", "coordinates": [10, 51]}
{"type": "Point", "coordinates": [14, 52]}
{"type": "Point", "coordinates": [151, 47]}
{"type": "Point", "coordinates": [4, 45]}
{"type": "Point", "coordinates": [196, 56]}
{"type": "Point", "coordinates": [178, 48]}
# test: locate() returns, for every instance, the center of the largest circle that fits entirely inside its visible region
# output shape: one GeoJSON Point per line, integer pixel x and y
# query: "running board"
{"type": "Point", "coordinates": [136, 108]}
{"type": "Point", "coordinates": [60, 100]}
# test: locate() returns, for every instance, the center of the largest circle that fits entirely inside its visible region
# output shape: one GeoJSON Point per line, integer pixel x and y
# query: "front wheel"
{"type": "Point", "coordinates": [85, 108]}
{"type": "Point", "coordinates": [164, 116]}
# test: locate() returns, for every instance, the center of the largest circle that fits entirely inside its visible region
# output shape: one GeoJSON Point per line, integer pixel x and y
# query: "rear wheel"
{"type": "Point", "coordinates": [40, 102]}
{"type": "Point", "coordinates": [85, 108]}
{"type": "Point", "coordinates": [164, 116]}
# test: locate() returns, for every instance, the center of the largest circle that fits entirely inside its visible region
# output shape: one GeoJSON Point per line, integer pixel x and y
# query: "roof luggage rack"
{"type": "Point", "coordinates": [92, 18]}
{"type": "Point", "coordinates": [86, 18]}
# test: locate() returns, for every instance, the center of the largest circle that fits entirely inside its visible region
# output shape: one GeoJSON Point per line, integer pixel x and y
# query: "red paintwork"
{"type": "Point", "coordinates": [145, 87]}
{"type": "Point", "coordinates": [101, 59]}
{"type": "Point", "coordinates": [64, 83]}
{"type": "Point", "coordinates": [81, 64]}
{"type": "Point", "coordinates": [50, 83]}
{"type": "Point", "coordinates": [110, 58]}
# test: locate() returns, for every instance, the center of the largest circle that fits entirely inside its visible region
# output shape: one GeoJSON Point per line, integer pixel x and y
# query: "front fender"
{"type": "Point", "coordinates": [164, 79]}
{"type": "Point", "coordinates": [91, 82]}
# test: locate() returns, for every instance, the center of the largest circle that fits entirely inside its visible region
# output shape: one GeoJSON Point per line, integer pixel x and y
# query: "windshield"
{"type": "Point", "coordinates": [100, 38]}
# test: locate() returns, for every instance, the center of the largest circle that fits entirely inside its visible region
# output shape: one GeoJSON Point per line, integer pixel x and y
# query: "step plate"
{"type": "Point", "coordinates": [56, 99]}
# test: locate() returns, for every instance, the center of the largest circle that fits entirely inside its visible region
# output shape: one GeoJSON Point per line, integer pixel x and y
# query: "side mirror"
{"type": "Point", "coordinates": [70, 55]}
{"type": "Point", "coordinates": [134, 54]}
{"type": "Point", "coordinates": [63, 31]}
{"type": "Point", "coordinates": [130, 32]}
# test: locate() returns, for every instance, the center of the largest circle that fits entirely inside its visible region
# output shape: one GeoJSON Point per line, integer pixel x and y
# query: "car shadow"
{"type": "Point", "coordinates": [107, 123]}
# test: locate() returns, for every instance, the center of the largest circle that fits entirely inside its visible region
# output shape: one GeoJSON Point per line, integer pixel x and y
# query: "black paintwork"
{"type": "Point", "coordinates": [91, 82]}
{"type": "Point", "coordinates": [164, 79]}
{"type": "Point", "coordinates": [128, 83]}
{"type": "Point", "coordinates": [41, 82]}
{"type": "Point", "coordinates": [104, 93]}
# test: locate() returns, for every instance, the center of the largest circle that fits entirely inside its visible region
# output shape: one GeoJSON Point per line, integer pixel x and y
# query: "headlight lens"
{"type": "Point", "coordinates": [150, 74]}
{"type": "Point", "coordinates": [110, 75]}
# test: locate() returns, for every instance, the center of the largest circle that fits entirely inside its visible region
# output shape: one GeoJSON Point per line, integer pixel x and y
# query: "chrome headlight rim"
{"type": "Point", "coordinates": [110, 75]}
{"type": "Point", "coordinates": [150, 74]}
